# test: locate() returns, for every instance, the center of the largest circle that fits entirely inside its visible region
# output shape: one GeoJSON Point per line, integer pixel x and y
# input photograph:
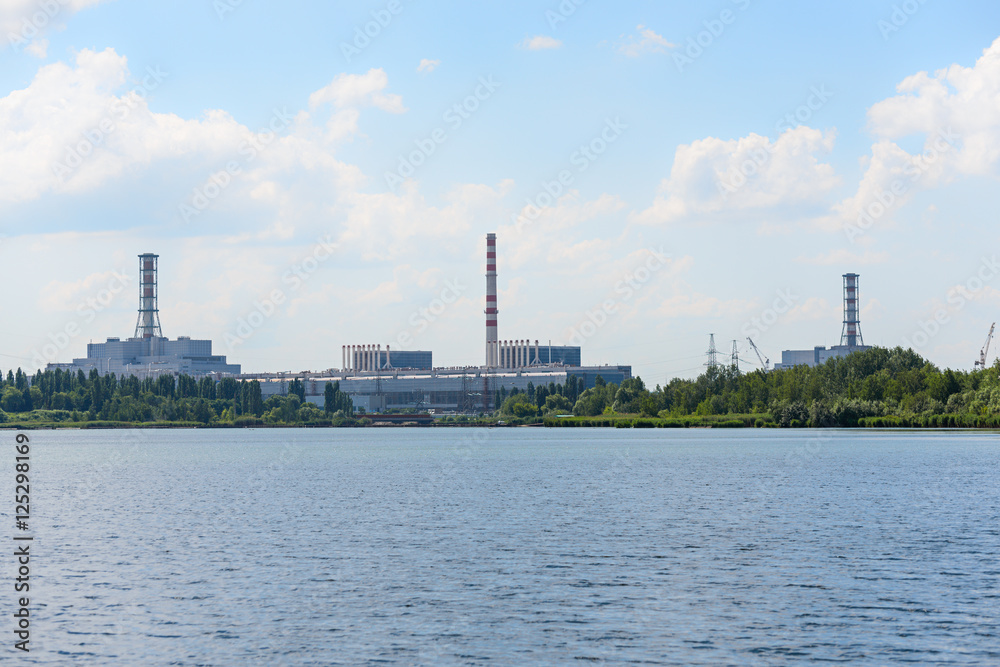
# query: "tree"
{"type": "Point", "coordinates": [227, 388]}
{"type": "Point", "coordinates": [329, 393]}
{"type": "Point", "coordinates": [558, 404]}
{"type": "Point", "coordinates": [628, 400]}
{"type": "Point", "coordinates": [519, 405]}
{"type": "Point", "coordinates": [12, 400]}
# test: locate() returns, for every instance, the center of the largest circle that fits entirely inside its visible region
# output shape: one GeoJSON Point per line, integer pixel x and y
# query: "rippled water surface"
{"type": "Point", "coordinates": [511, 546]}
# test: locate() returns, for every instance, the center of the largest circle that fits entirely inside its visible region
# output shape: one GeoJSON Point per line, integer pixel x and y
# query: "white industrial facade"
{"type": "Point", "coordinates": [441, 389]}
{"type": "Point", "coordinates": [150, 357]}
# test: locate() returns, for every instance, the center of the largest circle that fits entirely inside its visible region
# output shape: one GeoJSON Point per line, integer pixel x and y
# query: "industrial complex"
{"type": "Point", "coordinates": [851, 339]}
{"type": "Point", "coordinates": [148, 353]}
{"type": "Point", "coordinates": [376, 377]}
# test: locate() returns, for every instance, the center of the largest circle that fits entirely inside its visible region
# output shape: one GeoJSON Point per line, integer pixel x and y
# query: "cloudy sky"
{"type": "Point", "coordinates": [314, 174]}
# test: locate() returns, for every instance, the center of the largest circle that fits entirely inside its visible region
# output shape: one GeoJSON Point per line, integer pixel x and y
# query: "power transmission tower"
{"type": "Point", "coordinates": [736, 358]}
{"type": "Point", "coordinates": [379, 395]}
{"type": "Point", "coordinates": [489, 390]}
{"type": "Point", "coordinates": [713, 353]}
{"type": "Point", "coordinates": [465, 405]}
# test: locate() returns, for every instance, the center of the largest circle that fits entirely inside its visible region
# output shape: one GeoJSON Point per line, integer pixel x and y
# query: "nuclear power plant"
{"type": "Point", "coordinates": [379, 378]}
{"type": "Point", "coordinates": [148, 353]}
{"type": "Point", "coordinates": [376, 377]}
{"type": "Point", "coordinates": [851, 339]}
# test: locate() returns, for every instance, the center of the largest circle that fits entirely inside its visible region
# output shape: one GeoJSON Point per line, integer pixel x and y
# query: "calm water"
{"type": "Point", "coordinates": [510, 546]}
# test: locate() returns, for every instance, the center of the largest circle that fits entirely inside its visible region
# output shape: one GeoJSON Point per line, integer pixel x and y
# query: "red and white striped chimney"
{"type": "Point", "coordinates": [492, 356]}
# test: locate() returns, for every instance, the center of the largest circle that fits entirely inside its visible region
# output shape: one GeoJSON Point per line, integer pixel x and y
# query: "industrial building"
{"type": "Point", "coordinates": [378, 379]}
{"type": "Point", "coordinates": [441, 389]}
{"type": "Point", "coordinates": [148, 352]}
{"type": "Point", "coordinates": [372, 357]}
{"type": "Point", "coordinates": [851, 339]}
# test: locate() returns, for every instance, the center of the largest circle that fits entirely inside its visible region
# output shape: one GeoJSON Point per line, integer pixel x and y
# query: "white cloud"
{"type": "Point", "coordinates": [65, 296]}
{"type": "Point", "coordinates": [427, 65]}
{"type": "Point", "coordinates": [358, 90]}
{"type": "Point", "coordinates": [956, 114]}
{"type": "Point", "coordinates": [38, 48]}
{"type": "Point", "coordinates": [716, 176]}
{"type": "Point", "coordinates": [387, 226]}
{"type": "Point", "coordinates": [811, 310]}
{"type": "Point", "coordinates": [24, 23]}
{"type": "Point", "coordinates": [74, 129]}
{"type": "Point", "coordinates": [647, 41]}
{"type": "Point", "coordinates": [540, 42]}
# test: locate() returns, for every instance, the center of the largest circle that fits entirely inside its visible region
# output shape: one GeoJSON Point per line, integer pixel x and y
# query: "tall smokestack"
{"type": "Point", "coordinates": [148, 324]}
{"type": "Point", "coordinates": [492, 357]}
{"type": "Point", "coordinates": [851, 335]}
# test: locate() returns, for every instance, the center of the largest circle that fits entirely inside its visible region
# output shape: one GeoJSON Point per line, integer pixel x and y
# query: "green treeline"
{"type": "Point", "coordinates": [541, 400]}
{"type": "Point", "coordinates": [877, 387]}
{"type": "Point", "coordinates": [59, 396]}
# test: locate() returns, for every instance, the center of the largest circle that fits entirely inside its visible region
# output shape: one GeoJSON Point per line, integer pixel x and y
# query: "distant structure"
{"type": "Point", "coordinates": [713, 353]}
{"type": "Point", "coordinates": [850, 337]}
{"type": "Point", "coordinates": [148, 353]}
{"type": "Point", "coordinates": [518, 353]}
{"type": "Point", "coordinates": [492, 340]}
{"type": "Point", "coordinates": [148, 323]}
{"type": "Point", "coordinates": [373, 357]}
{"type": "Point", "coordinates": [377, 379]}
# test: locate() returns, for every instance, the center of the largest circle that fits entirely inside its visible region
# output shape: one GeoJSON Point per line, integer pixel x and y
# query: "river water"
{"type": "Point", "coordinates": [509, 546]}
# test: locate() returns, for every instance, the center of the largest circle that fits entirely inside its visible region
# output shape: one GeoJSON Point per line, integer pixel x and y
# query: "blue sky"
{"type": "Point", "coordinates": [693, 159]}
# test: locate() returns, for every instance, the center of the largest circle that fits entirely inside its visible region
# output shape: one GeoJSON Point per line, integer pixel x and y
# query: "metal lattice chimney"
{"type": "Point", "coordinates": [148, 324]}
{"type": "Point", "coordinates": [492, 356]}
{"type": "Point", "coordinates": [851, 334]}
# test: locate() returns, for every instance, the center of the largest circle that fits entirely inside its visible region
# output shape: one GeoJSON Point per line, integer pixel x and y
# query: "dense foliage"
{"type": "Point", "coordinates": [541, 400]}
{"type": "Point", "coordinates": [54, 396]}
{"type": "Point", "coordinates": [877, 387]}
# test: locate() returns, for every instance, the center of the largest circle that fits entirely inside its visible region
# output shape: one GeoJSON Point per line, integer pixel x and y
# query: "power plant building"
{"type": "Point", "coordinates": [442, 389]}
{"type": "Point", "coordinates": [373, 357]}
{"type": "Point", "coordinates": [376, 377]}
{"type": "Point", "coordinates": [148, 352]}
{"type": "Point", "coordinates": [851, 339]}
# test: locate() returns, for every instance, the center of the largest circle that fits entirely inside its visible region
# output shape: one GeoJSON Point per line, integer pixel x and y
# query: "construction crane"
{"type": "Point", "coordinates": [766, 363]}
{"type": "Point", "coordinates": [981, 364]}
